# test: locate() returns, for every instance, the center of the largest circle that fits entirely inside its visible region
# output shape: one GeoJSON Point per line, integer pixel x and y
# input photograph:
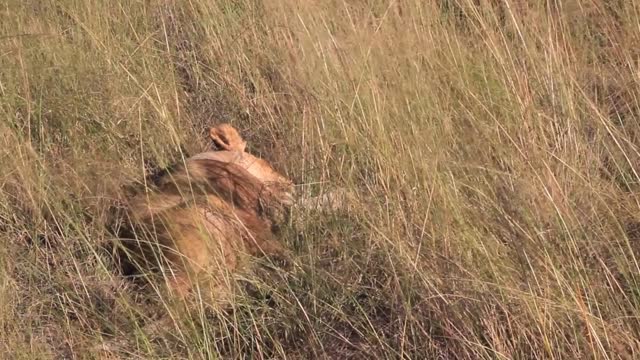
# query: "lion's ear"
{"type": "Point", "coordinates": [226, 137]}
{"type": "Point", "coordinates": [220, 141]}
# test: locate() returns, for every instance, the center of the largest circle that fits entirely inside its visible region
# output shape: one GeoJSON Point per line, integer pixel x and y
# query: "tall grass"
{"type": "Point", "coordinates": [493, 146]}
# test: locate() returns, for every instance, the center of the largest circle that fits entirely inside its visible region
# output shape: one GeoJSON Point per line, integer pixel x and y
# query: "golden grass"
{"type": "Point", "coordinates": [493, 144]}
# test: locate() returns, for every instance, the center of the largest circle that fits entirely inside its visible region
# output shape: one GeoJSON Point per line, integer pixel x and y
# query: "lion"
{"type": "Point", "coordinates": [204, 219]}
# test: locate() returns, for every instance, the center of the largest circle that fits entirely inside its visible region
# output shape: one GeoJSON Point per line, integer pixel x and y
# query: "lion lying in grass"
{"type": "Point", "coordinates": [205, 217]}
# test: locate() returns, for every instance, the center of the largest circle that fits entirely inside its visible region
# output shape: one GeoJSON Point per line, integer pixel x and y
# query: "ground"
{"type": "Point", "coordinates": [493, 146]}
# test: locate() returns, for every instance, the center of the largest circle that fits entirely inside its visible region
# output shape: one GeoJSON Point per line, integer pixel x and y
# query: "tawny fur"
{"type": "Point", "coordinates": [226, 137]}
{"type": "Point", "coordinates": [206, 216]}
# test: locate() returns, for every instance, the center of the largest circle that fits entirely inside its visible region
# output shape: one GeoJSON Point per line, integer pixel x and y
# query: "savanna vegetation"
{"type": "Point", "coordinates": [493, 146]}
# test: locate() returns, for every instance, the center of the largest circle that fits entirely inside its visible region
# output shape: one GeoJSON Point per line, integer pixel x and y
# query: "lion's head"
{"type": "Point", "coordinates": [204, 214]}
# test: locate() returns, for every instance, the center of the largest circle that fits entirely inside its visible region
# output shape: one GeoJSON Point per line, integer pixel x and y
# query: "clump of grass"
{"type": "Point", "coordinates": [493, 146]}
